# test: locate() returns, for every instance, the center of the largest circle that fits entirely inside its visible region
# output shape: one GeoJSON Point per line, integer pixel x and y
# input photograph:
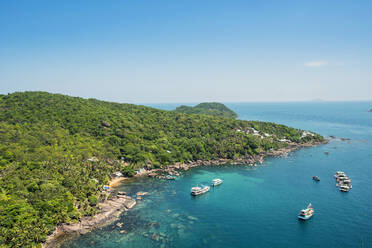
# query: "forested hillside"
{"type": "Point", "coordinates": [46, 140]}
{"type": "Point", "coordinates": [208, 108]}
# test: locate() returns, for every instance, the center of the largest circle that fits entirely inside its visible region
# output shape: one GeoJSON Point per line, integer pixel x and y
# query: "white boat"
{"type": "Point", "coordinates": [346, 181]}
{"type": "Point", "coordinates": [348, 185]}
{"type": "Point", "coordinates": [344, 188]}
{"type": "Point", "coordinates": [338, 174]}
{"type": "Point", "coordinates": [199, 190]}
{"type": "Point", "coordinates": [306, 214]}
{"type": "Point", "coordinates": [216, 182]}
{"type": "Point", "coordinates": [343, 181]}
{"type": "Point", "coordinates": [342, 176]}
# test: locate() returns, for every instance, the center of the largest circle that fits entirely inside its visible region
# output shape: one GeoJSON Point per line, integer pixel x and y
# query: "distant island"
{"type": "Point", "coordinates": [59, 153]}
{"type": "Point", "coordinates": [370, 110]}
{"type": "Point", "coordinates": [208, 108]}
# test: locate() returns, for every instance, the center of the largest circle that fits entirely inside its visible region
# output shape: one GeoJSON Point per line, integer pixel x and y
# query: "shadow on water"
{"type": "Point", "coordinates": [304, 224]}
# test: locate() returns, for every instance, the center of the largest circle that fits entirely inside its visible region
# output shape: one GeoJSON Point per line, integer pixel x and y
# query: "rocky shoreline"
{"type": "Point", "coordinates": [111, 209]}
{"type": "Point", "coordinates": [174, 170]}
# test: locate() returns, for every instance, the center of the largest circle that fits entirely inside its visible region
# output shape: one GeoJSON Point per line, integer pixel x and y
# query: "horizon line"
{"type": "Point", "coordinates": [197, 102]}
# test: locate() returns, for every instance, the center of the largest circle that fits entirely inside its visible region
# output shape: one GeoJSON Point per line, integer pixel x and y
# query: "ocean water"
{"type": "Point", "coordinates": [258, 206]}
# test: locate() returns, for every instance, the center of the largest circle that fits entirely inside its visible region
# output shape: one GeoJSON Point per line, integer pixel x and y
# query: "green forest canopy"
{"type": "Point", "coordinates": [46, 140]}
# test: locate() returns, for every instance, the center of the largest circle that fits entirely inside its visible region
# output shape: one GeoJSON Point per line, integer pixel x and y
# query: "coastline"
{"type": "Point", "coordinates": [112, 208]}
{"type": "Point", "coordinates": [251, 160]}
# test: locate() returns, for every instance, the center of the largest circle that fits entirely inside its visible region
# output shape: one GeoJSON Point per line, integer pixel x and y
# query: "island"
{"type": "Point", "coordinates": [59, 154]}
{"type": "Point", "coordinates": [208, 108]}
{"type": "Point", "coordinates": [370, 110]}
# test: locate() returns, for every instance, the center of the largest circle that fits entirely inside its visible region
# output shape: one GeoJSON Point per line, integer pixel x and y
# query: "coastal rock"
{"type": "Point", "coordinates": [129, 202]}
{"type": "Point", "coordinates": [155, 237]}
{"type": "Point", "coordinates": [152, 174]}
{"type": "Point", "coordinates": [192, 218]}
{"type": "Point", "coordinates": [341, 138]}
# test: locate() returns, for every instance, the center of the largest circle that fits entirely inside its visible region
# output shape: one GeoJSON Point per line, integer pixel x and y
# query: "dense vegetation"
{"type": "Point", "coordinates": [47, 141]}
{"type": "Point", "coordinates": [208, 108]}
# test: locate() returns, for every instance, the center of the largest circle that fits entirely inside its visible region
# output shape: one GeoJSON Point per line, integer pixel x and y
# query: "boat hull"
{"type": "Point", "coordinates": [304, 217]}
{"type": "Point", "coordinates": [200, 192]}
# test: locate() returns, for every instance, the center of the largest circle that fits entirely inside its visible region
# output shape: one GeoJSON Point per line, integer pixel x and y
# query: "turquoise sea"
{"type": "Point", "coordinates": [258, 207]}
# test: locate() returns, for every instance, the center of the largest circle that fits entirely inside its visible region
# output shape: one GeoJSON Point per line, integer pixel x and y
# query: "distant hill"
{"type": "Point", "coordinates": [208, 108]}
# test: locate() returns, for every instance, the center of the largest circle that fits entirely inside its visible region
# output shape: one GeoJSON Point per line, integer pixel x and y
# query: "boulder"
{"type": "Point", "coordinates": [129, 203]}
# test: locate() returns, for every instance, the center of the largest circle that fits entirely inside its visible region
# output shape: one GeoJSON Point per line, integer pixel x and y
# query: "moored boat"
{"type": "Point", "coordinates": [344, 188]}
{"type": "Point", "coordinates": [339, 174]}
{"type": "Point", "coordinates": [316, 178]}
{"type": "Point", "coordinates": [342, 177]}
{"type": "Point", "coordinates": [343, 181]}
{"type": "Point", "coordinates": [216, 182]}
{"type": "Point", "coordinates": [306, 214]}
{"type": "Point", "coordinates": [199, 190]}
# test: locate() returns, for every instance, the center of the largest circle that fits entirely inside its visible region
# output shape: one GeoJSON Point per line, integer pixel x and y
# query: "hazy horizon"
{"type": "Point", "coordinates": [188, 51]}
{"type": "Point", "coordinates": [197, 102]}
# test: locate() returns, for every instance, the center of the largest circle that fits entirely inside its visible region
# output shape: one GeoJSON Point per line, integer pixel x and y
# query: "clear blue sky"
{"type": "Point", "coordinates": [188, 51]}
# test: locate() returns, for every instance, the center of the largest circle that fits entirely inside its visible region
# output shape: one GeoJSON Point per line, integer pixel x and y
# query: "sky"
{"type": "Point", "coordinates": [188, 51]}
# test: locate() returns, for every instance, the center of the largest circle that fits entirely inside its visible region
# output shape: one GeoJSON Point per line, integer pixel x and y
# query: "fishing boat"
{"type": "Point", "coordinates": [306, 214]}
{"type": "Point", "coordinates": [316, 178]}
{"type": "Point", "coordinates": [342, 177]}
{"type": "Point", "coordinates": [344, 188]}
{"type": "Point", "coordinates": [346, 181]}
{"type": "Point", "coordinates": [339, 174]}
{"type": "Point", "coordinates": [346, 184]}
{"type": "Point", "coordinates": [216, 182]}
{"type": "Point", "coordinates": [199, 190]}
